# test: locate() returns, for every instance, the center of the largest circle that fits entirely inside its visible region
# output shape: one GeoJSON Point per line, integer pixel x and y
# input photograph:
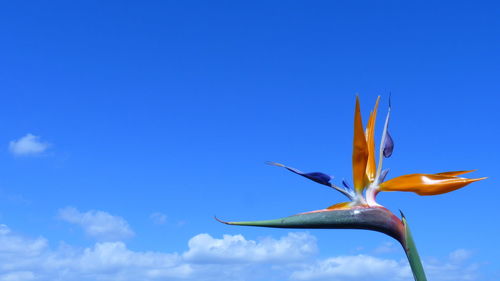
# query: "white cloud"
{"type": "Point", "coordinates": [13, 245]}
{"type": "Point", "coordinates": [387, 247]}
{"type": "Point", "coordinates": [24, 258]}
{"type": "Point", "coordinates": [203, 248]}
{"type": "Point", "coordinates": [454, 268]}
{"type": "Point", "coordinates": [229, 258]}
{"type": "Point", "coordinates": [359, 267]}
{"type": "Point", "coordinates": [115, 259]}
{"type": "Point", "coordinates": [17, 276]}
{"type": "Point", "coordinates": [98, 224]}
{"type": "Point", "coordinates": [364, 267]}
{"type": "Point", "coordinates": [28, 145]}
{"type": "Point", "coordinates": [460, 255]}
{"type": "Point", "coordinates": [158, 218]}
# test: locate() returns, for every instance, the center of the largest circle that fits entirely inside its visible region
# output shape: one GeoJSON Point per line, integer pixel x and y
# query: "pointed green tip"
{"type": "Point", "coordinates": [263, 223]}
{"type": "Point", "coordinates": [221, 221]}
{"type": "Point", "coordinates": [403, 218]}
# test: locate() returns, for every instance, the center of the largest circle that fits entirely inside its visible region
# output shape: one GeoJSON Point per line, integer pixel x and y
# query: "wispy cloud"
{"type": "Point", "coordinates": [359, 267]}
{"type": "Point", "coordinates": [387, 247]}
{"type": "Point", "coordinates": [28, 145]}
{"type": "Point", "coordinates": [158, 218]}
{"type": "Point", "coordinates": [13, 245]}
{"type": "Point", "coordinates": [98, 224]}
{"type": "Point", "coordinates": [455, 267]}
{"type": "Point", "coordinates": [460, 255]}
{"type": "Point", "coordinates": [18, 276]}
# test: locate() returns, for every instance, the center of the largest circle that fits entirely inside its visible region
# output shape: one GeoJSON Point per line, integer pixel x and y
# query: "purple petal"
{"type": "Point", "coordinates": [318, 177]}
{"type": "Point", "coordinates": [382, 176]}
{"type": "Point", "coordinates": [388, 145]}
{"type": "Point", "coordinates": [346, 184]}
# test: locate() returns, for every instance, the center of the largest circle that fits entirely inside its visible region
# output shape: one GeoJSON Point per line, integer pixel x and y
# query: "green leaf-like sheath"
{"type": "Point", "coordinates": [412, 254]}
{"type": "Point", "coordinates": [370, 218]}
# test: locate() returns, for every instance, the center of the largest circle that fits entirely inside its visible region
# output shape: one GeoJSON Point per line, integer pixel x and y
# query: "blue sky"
{"type": "Point", "coordinates": [127, 125]}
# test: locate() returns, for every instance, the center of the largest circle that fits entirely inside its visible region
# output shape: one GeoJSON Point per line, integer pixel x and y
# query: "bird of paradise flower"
{"type": "Point", "coordinates": [362, 211]}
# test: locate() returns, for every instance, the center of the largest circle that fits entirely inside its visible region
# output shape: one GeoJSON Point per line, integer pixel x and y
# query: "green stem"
{"type": "Point", "coordinates": [412, 254]}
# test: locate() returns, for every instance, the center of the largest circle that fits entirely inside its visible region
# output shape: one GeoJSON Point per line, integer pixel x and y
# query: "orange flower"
{"type": "Point", "coordinates": [369, 177]}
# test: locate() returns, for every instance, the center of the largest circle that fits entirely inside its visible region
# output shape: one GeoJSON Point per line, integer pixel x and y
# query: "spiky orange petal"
{"type": "Point", "coordinates": [359, 151]}
{"type": "Point", "coordinates": [426, 184]}
{"type": "Point", "coordinates": [338, 206]}
{"type": "Point", "coordinates": [371, 167]}
{"type": "Point", "coordinates": [455, 173]}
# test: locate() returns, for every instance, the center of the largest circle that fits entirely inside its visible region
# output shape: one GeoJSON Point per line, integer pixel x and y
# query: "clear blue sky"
{"type": "Point", "coordinates": [158, 115]}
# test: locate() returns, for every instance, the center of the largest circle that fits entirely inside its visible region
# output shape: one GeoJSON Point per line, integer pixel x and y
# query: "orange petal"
{"type": "Point", "coordinates": [371, 167]}
{"type": "Point", "coordinates": [455, 173]}
{"type": "Point", "coordinates": [343, 205]}
{"type": "Point", "coordinates": [426, 184]}
{"type": "Point", "coordinates": [359, 151]}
